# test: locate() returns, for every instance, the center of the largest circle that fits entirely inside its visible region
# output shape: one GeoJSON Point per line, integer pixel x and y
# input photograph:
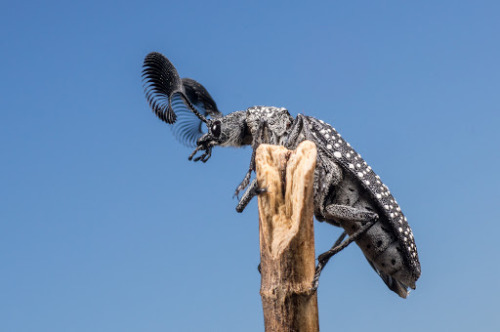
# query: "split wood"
{"type": "Point", "coordinates": [287, 237]}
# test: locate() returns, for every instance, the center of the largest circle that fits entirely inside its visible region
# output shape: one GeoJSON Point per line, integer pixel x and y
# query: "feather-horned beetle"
{"type": "Point", "coordinates": [347, 193]}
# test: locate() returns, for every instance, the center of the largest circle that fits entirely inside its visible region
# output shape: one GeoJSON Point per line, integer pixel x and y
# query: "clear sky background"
{"type": "Point", "coordinates": [106, 226]}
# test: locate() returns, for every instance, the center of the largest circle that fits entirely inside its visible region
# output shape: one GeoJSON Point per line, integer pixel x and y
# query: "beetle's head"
{"type": "Point", "coordinates": [229, 130]}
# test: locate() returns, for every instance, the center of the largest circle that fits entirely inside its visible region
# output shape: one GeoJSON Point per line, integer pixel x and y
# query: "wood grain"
{"type": "Point", "coordinates": [287, 237]}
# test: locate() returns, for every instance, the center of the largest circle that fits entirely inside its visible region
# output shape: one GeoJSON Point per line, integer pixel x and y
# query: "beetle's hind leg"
{"type": "Point", "coordinates": [347, 216]}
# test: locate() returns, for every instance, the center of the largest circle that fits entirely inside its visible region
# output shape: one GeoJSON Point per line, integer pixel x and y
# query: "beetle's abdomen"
{"type": "Point", "coordinates": [389, 245]}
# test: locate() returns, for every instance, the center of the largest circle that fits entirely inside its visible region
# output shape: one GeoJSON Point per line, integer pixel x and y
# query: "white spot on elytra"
{"type": "Point", "coordinates": [360, 174]}
{"type": "Point", "coordinates": [329, 146]}
{"type": "Point", "coordinates": [337, 154]}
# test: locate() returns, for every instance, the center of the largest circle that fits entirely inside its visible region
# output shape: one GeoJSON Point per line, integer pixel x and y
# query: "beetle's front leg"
{"type": "Point", "coordinates": [198, 148]}
{"type": "Point", "coordinates": [206, 147]}
{"type": "Point", "coordinates": [260, 136]}
{"type": "Point", "coordinates": [205, 156]}
{"type": "Point", "coordinates": [246, 180]}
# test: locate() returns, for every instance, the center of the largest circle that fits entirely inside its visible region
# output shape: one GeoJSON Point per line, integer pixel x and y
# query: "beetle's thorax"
{"type": "Point", "coordinates": [277, 120]}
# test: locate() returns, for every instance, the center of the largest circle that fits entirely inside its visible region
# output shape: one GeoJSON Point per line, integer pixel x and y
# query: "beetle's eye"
{"type": "Point", "coordinates": [216, 128]}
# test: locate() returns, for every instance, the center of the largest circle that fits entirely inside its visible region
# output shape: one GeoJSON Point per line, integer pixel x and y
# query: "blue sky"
{"type": "Point", "coordinates": [106, 226]}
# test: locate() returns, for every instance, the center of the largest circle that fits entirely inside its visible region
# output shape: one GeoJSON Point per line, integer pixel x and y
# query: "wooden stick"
{"type": "Point", "coordinates": [287, 237]}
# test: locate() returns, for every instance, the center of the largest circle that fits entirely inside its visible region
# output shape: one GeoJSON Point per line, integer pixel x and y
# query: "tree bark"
{"type": "Point", "coordinates": [287, 237]}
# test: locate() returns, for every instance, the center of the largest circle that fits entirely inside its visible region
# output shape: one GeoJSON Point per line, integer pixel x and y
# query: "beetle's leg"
{"type": "Point", "coordinates": [206, 155]}
{"type": "Point", "coordinates": [246, 179]}
{"type": "Point", "coordinates": [335, 245]}
{"type": "Point", "coordinates": [252, 191]}
{"type": "Point", "coordinates": [295, 131]}
{"type": "Point", "coordinates": [198, 148]}
{"type": "Point", "coordinates": [205, 145]}
{"type": "Point", "coordinates": [345, 215]}
{"type": "Point", "coordinates": [259, 138]}
{"type": "Point", "coordinates": [349, 215]}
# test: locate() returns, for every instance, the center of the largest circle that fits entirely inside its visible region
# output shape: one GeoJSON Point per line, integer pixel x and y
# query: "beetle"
{"type": "Point", "coordinates": [347, 192]}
